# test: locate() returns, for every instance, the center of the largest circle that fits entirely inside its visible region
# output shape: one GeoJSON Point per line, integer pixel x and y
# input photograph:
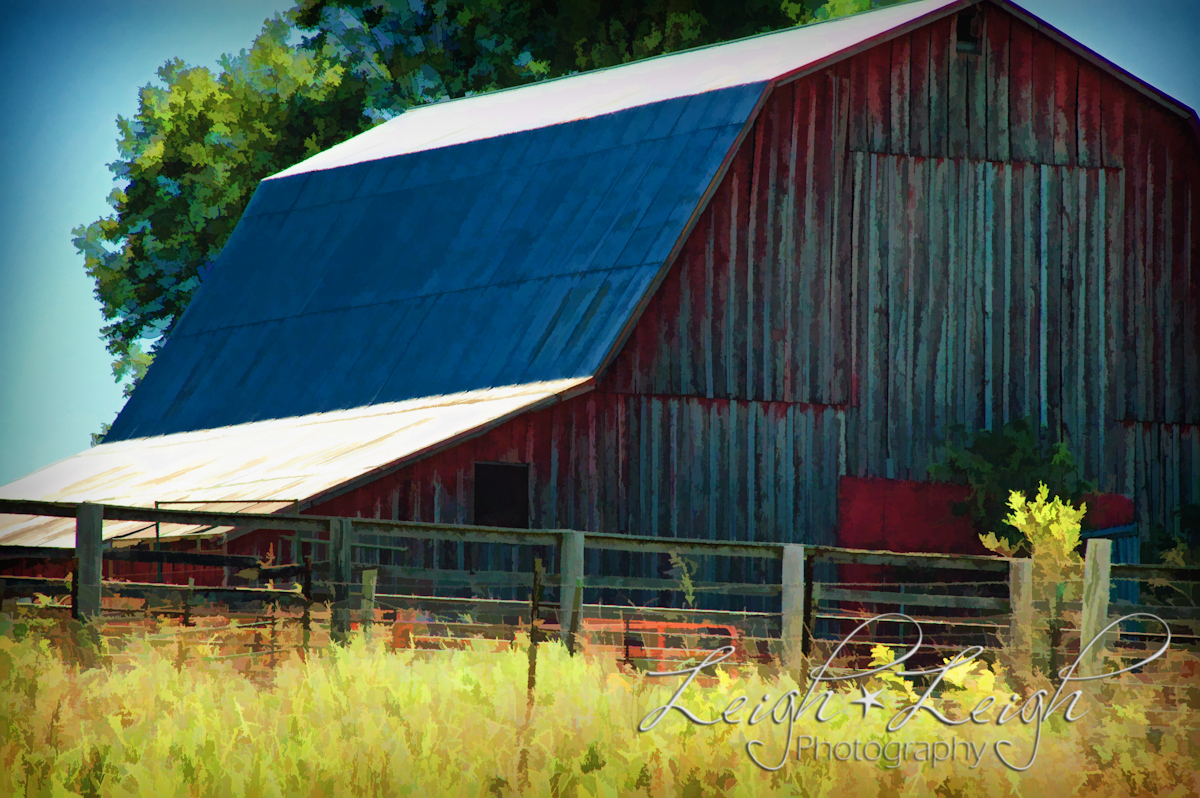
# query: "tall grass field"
{"type": "Point", "coordinates": [157, 712]}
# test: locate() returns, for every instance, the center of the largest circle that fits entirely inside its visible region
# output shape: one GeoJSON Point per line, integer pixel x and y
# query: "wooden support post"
{"type": "Point", "coordinates": [1020, 603]}
{"type": "Point", "coordinates": [306, 617]}
{"type": "Point", "coordinates": [571, 574]}
{"type": "Point", "coordinates": [1096, 581]}
{"type": "Point", "coordinates": [535, 633]}
{"type": "Point", "coordinates": [89, 538]}
{"type": "Point", "coordinates": [367, 612]}
{"type": "Point", "coordinates": [157, 546]}
{"type": "Point", "coordinates": [795, 605]}
{"type": "Point", "coordinates": [341, 534]}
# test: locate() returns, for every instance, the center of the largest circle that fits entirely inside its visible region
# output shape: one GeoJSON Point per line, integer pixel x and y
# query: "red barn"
{"type": "Point", "coordinates": [686, 296]}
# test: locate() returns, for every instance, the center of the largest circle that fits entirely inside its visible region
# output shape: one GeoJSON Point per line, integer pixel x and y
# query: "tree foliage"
{"type": "Point", "coordinates": [190, 159]}
{"type": "Point", "coordinates": [408, 53]}
{"type": "Point", "coordinates": [994, 463]}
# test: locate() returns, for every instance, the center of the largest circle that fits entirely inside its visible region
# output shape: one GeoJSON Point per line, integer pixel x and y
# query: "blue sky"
{"type": "Point", "coordinates": [71, 67]}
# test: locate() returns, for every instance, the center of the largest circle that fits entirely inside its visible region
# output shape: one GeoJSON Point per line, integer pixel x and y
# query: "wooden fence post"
{"type": "Point", "coordinates": [571, 576]}
{"type": "Point", "coordinates": [1020, 605]}
{"type": "Point", "coordinates": [794, 605]}
{"type": "Point", "coordinates": [367, 613]}
{"type": "Point", "coordinates": [1096, 580]}
{"type": "Point", "coordinates": [341, 534]}
{"type": "Point", "coordinates": [89, 538]}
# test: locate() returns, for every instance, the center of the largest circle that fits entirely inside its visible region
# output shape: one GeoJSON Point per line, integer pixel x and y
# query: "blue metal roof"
{"type": "Point", "coordinates": [502, 261]}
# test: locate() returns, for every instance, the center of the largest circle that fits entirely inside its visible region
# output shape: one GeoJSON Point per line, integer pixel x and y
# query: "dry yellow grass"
{"type": "Point", "coordinates": [368, 721]}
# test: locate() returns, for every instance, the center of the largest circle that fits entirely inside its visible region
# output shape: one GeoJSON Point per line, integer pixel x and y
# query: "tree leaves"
{"type": "Point", "coordinates": [994, 463]}
{"type": "Point", "coordinates": [191, 158]}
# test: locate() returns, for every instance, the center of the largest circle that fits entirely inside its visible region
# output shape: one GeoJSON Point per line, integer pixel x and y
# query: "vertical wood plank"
{"type": "Point", "coordinates": [841, 256]}
{"type": "Point", "coordinates": [822, 202]}
{"type": "Point", "coordinates": [1096, 344]}
{"type": "Point", "coordinates": [976, 230]}
{"type": "Point", "coordinates": [939, 281]}
{"type": "Point", "coordinates": [789, 251]}
{"type": "Point", "coordinates": [1112, 123]}
{"type": "Point", "coordinates": [919, 81]}
{"type": "Point", "coordinates": [879, 68]}
{"type": "Point", "coordinates": [939, 90]}
{"type": "Point", "coordinates": [1022, 136]}
{"type": "Point", "coordinates": [1066, 79]}
{"type": "Point", "coordinates": [1044, 105]}
{"type": "Point", "coordinates": [977, 99]}
{"type": "Point", "coordinates": [957, 266]}
{"type": "Point", "coordinates": [1114, 323]}
{"type": "Point", "coordinates": [1180, 400]}
{"type": "Point", "coordinates": [1010, 380]}
{"type": "Point", "coordinates": [877, 316]}
{"type": "Point", "coordinates": [1069, 314]}
{"type": "Point", "coordinates": [860, 302]}
{"type": "Point", "coordinates": [925, 311]}
{"type": "Point", "coordinates": [1022, 288]}
{"type": "Point", "coordinates": [990, 383]}
{"type": "Point", "coordinates": [897, 265]}
{"type": "Point", "coordinates": [901, 96]}
{"type": "Point", "coordinates": [995, 51]}
{"type": "Point", "coordinates": [739, 271]}
{"type": "Point", "coordinates": [958, 100]}
{"type": "Point", "coordinates": [1051, 207]}
{"type": "Point", "coordinates": [808, 272]}
{"type": "Point", "coordinates": [859, 129]}
{"type": "Point", "coordinates": [1088, 117]}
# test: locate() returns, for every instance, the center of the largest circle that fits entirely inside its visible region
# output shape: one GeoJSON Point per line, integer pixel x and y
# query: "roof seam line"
{"type": "Point", "coordinates": [409, 299]}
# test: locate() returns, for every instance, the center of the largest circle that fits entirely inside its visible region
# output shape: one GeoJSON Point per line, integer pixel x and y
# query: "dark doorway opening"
{"type": "Point", "coordinates": [502, 495]}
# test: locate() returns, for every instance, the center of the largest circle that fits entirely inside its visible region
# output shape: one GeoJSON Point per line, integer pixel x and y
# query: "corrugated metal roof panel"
{"type": "Point", "coordinates": [443, 285]}
{"type": "Point", "coordinates": [606, 91]}
{"type": "Point", "coordinates": [267, 464]}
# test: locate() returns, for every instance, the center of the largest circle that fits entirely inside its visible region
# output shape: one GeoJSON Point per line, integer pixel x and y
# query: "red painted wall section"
{"type": "Point", "coordinates": [901, 515]}
{"type": "Point", "coordinates": [1105, 510]}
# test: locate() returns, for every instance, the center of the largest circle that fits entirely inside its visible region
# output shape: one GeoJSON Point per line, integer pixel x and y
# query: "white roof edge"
{"type": "Point", "coordinates": [755, 59]}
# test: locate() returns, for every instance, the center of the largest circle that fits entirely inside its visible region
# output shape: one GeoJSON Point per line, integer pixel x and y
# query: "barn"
{"type": "Point", "coordinates": [692, 296]}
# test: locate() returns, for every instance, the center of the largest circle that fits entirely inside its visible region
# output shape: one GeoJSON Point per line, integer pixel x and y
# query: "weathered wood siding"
{"type": "Point", "coordinates": [908, 239]}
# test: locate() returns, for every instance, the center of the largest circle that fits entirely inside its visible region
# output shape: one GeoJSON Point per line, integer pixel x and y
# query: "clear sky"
{"type": "Point", "coordinates": [72, 66]}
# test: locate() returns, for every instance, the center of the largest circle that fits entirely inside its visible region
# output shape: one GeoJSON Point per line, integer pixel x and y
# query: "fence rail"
{"type": "Point", "coordinates": [803, 600]}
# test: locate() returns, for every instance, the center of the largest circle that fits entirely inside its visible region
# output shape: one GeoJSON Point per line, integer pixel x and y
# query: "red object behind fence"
{"type": "Point", "coordinates": [898, 515]}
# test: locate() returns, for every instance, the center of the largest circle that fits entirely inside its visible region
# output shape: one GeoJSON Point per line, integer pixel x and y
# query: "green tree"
{"type": "Point", "coordinates": [408, 53]}
{"type": "Point", "coordinates": [190, 159]}
{"type": "Point", "coordinates": [996, 463]}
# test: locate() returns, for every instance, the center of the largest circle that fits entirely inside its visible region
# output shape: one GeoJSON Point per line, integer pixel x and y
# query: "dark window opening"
{"type": "Point", "coordinates": [970, 31]}
{"type": "Point", "coordinates": [502, 495]}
